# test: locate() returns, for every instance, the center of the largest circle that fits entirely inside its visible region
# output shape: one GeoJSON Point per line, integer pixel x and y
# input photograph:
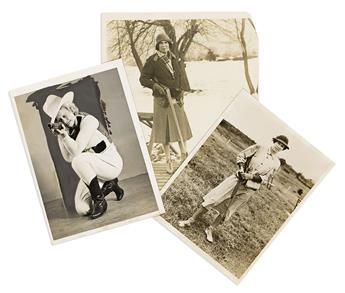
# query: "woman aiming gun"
{"type": "Point", "coordinates": [86, 144]}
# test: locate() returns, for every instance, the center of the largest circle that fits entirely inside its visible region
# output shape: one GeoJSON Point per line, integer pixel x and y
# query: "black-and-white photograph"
{"type": "Point", "coordinates": [245, 180]}
{"type": "Point", "coordinates": [183, 70]}
{"type": "Point", "coordinates": [86, 151]}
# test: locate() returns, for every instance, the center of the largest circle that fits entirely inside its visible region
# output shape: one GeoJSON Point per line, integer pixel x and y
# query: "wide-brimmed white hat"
{"type": "Point", "coordinates": [54, 103]}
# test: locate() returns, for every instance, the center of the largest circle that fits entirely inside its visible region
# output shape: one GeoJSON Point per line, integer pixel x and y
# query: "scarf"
{"type": "Point", "coordinates": [166, 59]}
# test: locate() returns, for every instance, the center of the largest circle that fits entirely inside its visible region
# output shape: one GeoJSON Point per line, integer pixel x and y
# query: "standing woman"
{"type": "Point", "coordinates": [255, 165]}
{"type": "Point", "coordinates": [86, 144]}
{"type": "Point", "coordinates": [162, 72]}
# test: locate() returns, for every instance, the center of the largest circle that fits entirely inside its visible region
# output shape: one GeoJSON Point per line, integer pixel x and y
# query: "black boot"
{"type": "Point", "coordinates": [98, 209]}
{"type": "Point", "coordinates": [99, 204]}
{"type": "Point", "coordinates": [113, 185]}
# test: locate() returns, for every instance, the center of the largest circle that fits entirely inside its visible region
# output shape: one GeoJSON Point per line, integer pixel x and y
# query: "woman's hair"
{"type": "Point", "coordinates": [70, 106]}
{"type": "Point", "coordinates": [157, 46]}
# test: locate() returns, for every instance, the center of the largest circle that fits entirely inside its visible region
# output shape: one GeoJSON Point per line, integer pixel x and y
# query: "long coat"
{"type": "Point", "coordinates": [155, 68]}
{"type": "Point", "coordinates": [164, 127]}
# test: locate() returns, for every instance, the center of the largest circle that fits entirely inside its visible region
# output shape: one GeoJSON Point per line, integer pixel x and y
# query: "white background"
{"type": "Point", "coordinates": [301, 80]}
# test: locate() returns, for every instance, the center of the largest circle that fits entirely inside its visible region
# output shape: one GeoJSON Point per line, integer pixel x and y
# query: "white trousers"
{"type": "Point", "coordinates": [223, 192]}
{"type": "Point", "coordinates": [106, 166]}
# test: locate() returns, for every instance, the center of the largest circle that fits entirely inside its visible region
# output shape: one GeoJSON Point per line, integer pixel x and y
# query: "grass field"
{"type": "Point", "coordinates": [238, 241]}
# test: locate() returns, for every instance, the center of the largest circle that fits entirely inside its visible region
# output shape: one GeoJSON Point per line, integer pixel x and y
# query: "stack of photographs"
{"type": "Point", "coordinates": [169, 126]}
{"type": "Point", "coordinates": [214, 56]}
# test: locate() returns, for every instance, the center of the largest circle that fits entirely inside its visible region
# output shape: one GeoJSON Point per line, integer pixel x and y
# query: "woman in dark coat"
{"type": "Point", "coordinates": [162, 72]}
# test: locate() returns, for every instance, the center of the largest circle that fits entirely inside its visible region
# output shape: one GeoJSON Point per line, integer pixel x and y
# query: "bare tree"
{"type": "Point", "coordinates": [139, 35]}
{"type": "Point", "coordinates": [235, 31]}
{"type": "Point", "coordinates": [130, 28]}
{"type": "Point", "coordinates": [135, 39]}
{"type": "Point", "coordinates": [242, 40]}
{"type": "Point", "coordinates": [129, 39]}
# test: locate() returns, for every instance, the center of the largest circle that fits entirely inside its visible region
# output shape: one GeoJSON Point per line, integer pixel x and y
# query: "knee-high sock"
{"type": "Point", "coordinates": [199, 212]}
{"type": "Point", "coordinates": [167, 152]}
{"type": "Point", "coordinates": [217, 221]}
{"type": "Point", "coordinates": [182, 146]}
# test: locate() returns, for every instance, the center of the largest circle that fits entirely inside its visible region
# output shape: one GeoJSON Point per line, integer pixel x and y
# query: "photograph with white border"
{"type": "Point", "coordinates": [245, 179]}
{"type": "Point", "coordinates": [86, 151]}
{"type": "Point", "coordinates": [183, 70]}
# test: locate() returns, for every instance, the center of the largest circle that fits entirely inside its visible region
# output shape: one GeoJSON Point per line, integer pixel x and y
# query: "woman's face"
{"type": "Point", "coordinates": [66, 117]}
{"type": "Point", "coordinates": [277, 147]}
{"type": "Point", "coordinates": [163, 47]}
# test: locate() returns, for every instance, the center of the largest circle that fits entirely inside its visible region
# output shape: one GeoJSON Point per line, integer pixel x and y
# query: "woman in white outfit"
{"type": "Point", "coordinates": [256, 164]}
{"type": "Point", "coordinates": [86, 144]}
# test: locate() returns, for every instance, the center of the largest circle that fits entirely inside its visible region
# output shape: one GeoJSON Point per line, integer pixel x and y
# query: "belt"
{"type": "Point", "coordinates": [100, 147]}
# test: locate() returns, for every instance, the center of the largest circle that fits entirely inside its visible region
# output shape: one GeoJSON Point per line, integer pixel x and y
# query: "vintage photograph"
{"type": "Point", "coordinates": [244, 181]}
{"type": "Point", "coordinates": [86, 151]}
{"type": "Point", "coordinates": [184, 69]}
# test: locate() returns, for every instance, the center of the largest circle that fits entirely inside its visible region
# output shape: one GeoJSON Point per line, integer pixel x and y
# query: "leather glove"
{"type": "Point", "coordinates": [240, 171]}
{"type": "Point", "coordinates": [239, 174]}
{"type": "Point", "coordinates": [180, 99]}
{"type": "Point", "coordinates": [158, 90]}
{"type": "Point", "coordinates": [180, 102]}
{"type": "Point", "coordinates": [257, 178]}
{"type": "Point", "coordinates": [247, 176]}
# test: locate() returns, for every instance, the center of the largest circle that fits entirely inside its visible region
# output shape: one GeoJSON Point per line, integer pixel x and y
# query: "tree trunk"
{"type": "Point", "coordinates": [132, 44]}
{"type": "Point", "coordinates": [171, 33]}
{"type": "Point", "coordinates": [118, 39]}
{"type": "Point", "coordinates": [245, 58]}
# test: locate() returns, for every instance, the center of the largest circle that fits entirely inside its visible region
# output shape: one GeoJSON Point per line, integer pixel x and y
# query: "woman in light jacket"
{"type": "Point", "coordinates": [86, 144]}
{"type": "Point", "coordinates": [256, 164]}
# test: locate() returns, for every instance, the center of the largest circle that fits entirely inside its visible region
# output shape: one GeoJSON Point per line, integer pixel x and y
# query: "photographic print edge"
{"type": "Point", "coordinates": [116, 64]}
{"type": "Point", "coordinates": [190, 243]}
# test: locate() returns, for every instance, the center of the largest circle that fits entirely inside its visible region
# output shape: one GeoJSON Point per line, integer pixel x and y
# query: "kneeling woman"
{"type": "Point", "coordinates": [86, 144]}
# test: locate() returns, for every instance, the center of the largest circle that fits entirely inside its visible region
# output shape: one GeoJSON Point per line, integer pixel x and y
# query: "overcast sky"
{"type": "Point", "coordinates": [261, 125]}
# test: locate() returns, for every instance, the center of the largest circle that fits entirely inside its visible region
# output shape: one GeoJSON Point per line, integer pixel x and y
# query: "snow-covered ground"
{"type": "Point", "coordinates": [219, 83]}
